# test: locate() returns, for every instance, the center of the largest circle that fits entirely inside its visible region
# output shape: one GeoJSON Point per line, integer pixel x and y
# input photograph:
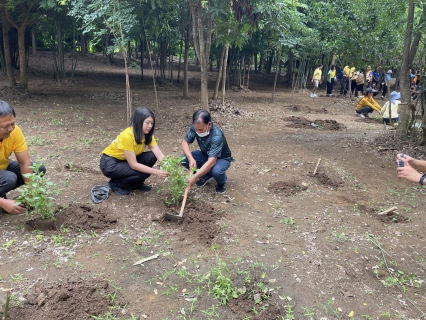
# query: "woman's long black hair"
{"type": "Point", "coordinates": [138, 118]}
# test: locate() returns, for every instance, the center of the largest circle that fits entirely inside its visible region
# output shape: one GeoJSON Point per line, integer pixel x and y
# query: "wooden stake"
{"type": "Point", "coordinates": [316, 168]}
{"type": "Point", "coordinates": [387, 211]}
{"type": "Point", "coordinates": [155, 256]}
{"type": "Point", "coordinates": [6, 305]}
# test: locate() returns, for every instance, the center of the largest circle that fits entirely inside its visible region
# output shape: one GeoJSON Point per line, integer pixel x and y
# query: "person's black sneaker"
{"type": "Point", "coordinates": [142, 187]}
{"type": "Point", "coordinates": [118, 188]}
{"type": "Point", "coordinates": [202, 182]}
{"type": "Point", "coordinates": [220, 188]}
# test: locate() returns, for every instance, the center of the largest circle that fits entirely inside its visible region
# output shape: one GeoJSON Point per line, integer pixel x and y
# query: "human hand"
{"type": "Point", "coordinates": [192, 163]}
{"type": "Point", "coordinates": [162, 174]}
{"type": "Point", "coordinates": [192, 180]}
{"type": "Point", "coordinates": [407, 172]}
{"type": "Point", "coordinates": [409, 159]}
{"type": "Point", "coordinates": [12, 208]}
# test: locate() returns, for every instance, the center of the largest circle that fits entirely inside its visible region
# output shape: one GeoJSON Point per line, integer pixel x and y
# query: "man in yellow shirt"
{"type": "Point", "coordinates": [316, 79]}
{"type": "Point", "coordinates": [11, 172]}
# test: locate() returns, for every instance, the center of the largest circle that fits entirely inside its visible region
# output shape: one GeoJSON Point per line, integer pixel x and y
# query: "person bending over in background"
{"type": "Point", "coordinates": [360, 80]}
{"type": "Point", "coordinates": [410, 169]}
{"type": "Point", "coordinates": [125, 161]}
{"type": "Point", "coordinates": [214, 156]}
{"type": "Point", "coordinates": [367, 104]}
{"type": "Point", "coordinates": [394, 104]}
{"type": "Point", "coordinates": [12, 172]}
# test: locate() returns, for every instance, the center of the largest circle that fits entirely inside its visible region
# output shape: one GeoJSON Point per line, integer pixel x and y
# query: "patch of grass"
{"type": "Point", "coordinates": [37, 141]}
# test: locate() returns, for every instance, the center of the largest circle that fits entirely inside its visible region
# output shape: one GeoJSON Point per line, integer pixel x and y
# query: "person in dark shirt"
{"type": "Point", "coordinates": [214, 156]}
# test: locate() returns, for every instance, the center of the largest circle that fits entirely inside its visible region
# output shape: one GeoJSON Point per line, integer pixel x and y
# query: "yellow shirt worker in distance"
{"type": "Point", "coordinates": [124, 160]}
{"type": "Point", "coordinates": [367, 105]}
{"type": "Point", "coordinates": [11, 171]}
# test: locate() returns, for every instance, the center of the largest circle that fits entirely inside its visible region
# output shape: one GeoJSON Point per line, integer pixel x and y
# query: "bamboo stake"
{"type": "Point", "coordinates": [316, 168]}
{"type": "Point", "coordinates": [6, 305]}
{"type": "Point", "coordinates": [155, 256]}
{"type": "Point", "coordinates": [387, 211]}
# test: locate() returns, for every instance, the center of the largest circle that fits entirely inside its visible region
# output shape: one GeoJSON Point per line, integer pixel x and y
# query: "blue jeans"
{"type": "Point", "coordinates": [218, 172]}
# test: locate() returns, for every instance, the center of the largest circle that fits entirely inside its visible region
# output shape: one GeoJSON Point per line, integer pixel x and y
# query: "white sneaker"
{"type": "Point", "coordinates": [312, 95]}
{"type": "Point", "coordinates": [315, 96]}
{"type": "Point", "coordinates": [361, 115]}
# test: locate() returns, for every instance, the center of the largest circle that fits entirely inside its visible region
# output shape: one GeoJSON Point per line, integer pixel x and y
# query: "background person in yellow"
{"type": "Point", "coordinates": [367, 104]}
{"type": "Point", "coordinates": [124, 160]}
{"type": "Point", "coordinates": [316, 79]}
{"type": "Point", "coordinates": [11, 172]}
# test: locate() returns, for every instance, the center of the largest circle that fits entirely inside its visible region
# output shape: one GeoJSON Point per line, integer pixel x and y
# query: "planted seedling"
{"type": "Point", "coordinates": [176, 182]}
{"type": "Point", "coordinates": [37, 194]}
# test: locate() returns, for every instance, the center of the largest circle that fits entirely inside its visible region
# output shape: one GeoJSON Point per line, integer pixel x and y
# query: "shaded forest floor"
{"type": "Point", "coordinates": [294, 244]}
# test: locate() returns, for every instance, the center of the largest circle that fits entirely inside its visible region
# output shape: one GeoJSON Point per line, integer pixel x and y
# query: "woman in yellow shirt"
{"type": "Point", "coordinates": [316, 79]}
{"type": "Point", "coordinates": [125, 161]}
{"type": "Point", "coordinates": [331, 77]}
{"type": "Point", "coordinates": [367, 105]}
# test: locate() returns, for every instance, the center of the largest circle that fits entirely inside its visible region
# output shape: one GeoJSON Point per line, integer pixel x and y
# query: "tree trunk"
{"type": "Point", "coordinates": [24, 15]}
{"type": "Point", "coordinates": [224, 72]}
{"type": "Point", "coordinates": [185, 68]}
{"type": "Point", "coordinates": [406, 105]}
{"type": "Point", "coordinates": [290, 65]}
{"type": "Point", "coordinates": [142, 55]}
{"type": "Point", "coordinates": [276, 72]}
{"type": "Point", "coordinates": [33, 40]}
{"type": "Point", "coordinates": [202, 42]}
{"type": "Point", "coordinates": [7, 57]}
{"type": "Point", "coordinates": [83, 44]}
{"type": "Point", "coordinates": [219, 73]}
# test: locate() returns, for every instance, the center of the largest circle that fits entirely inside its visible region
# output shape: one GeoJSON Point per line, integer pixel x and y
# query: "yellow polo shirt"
{"type": "Point", "coordinates": [126, 141]}
{"type": "Point", "coordinates": [14, 143]}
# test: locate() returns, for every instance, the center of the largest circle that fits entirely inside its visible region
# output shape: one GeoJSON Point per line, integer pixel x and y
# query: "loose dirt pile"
{"type": "Point", "coordinates": [227, 110]}
{"type": "Point", "coordinates": [286, 188]}
{"type": "Point", "coordinates": [325, 180]}
{"type": "Point", "coordinates": [306, 109]}
{"type": "Point", "coordinates": [77, 217]}
{"type": "Point", "coordinates": [300, 122]}
{"type": "Point", "coordinates": [70, 300]}
{"type": "Point", "coordinates": [199, 223]}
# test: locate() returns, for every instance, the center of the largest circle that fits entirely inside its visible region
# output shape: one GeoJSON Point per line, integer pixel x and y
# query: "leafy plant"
{"type": "Point", "coordinates": [36, 194]}
{"type": "Point", "coordinates": [223, 289]}
{"type": "Point", "coordinates": [177, 180]}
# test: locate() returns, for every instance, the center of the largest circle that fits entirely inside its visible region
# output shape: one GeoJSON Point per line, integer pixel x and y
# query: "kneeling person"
{"type": "Point", "coordinates": [124, 160]}
{"type": "Point", "coordinates": [11, 172]}
{"type": "Point", "coordinates": [367, 105]}
{"type": "Point", "coordinates": [214, 156]}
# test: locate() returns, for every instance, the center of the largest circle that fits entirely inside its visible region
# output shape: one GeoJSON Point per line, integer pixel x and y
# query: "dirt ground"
{"type": "Point", "coordinates": [282, 243]}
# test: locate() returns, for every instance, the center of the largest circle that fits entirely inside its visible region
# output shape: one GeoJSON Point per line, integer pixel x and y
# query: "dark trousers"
{"type": "Point", "coordinates": [218, 172]}
{"type": "Point", "coordinates": [330, 86]}
{"type": "Point", "coordinates": [385, 90]}
{"type": "Point", "coordinates": [353, 86]}
{"type": "Point", "coordinates": [119, 171]}
{"type": "Point", "coordinates": [344, 85]}
{"type": "Point", "coordinates": [365, 110]}
{"type": "Point", "coordinates": [11, 178]}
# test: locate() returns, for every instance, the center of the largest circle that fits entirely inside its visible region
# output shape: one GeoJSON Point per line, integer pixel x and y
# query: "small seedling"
{"type": "Point", "coordinates": [36, 194]}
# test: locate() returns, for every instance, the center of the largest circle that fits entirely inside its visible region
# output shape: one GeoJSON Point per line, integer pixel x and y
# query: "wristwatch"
{"type": "Point", "coordinates": [422, 178]}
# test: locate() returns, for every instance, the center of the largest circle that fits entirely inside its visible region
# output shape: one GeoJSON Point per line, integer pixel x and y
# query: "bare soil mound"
{"type": "Point", "coordinates": [69, 300]}
{"type": "Point", "coordinates": [300, 122]}
{"type": "Point", "coordinates": [286, 188]}
{"type": "Point", "coordinates": [306, 109]}
{"type": "Point", "coordinates": [78, 217]}
{"type": "Point", "coordinates": [199, 223]}
{"type": "Point", "coordinates": [325, 180]}
{"type": "Point", "coordinates": [393, 217]}
{"type": "Point", "coordinates": [228, 110]}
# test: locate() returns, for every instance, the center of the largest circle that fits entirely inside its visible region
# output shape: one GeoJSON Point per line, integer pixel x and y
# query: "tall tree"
{"type": "Point", "coordinates": [20, 24]}
{"type": "Point", "coordinates": [202, 16]}
{"type": "Point", "coordinates": [411, 43]}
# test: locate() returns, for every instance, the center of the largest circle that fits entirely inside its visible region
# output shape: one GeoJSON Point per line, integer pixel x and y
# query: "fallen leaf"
{"type": "Point", "coordinates": [183, 290]}
{"type": "Point", "coordinates": [139, 242]}
{"type": "Point", "coordinates": [155, 291]}
{"type": "Point", "coordinates": [272, 280]}
{"type": "Point", "coordinates": [351, 314]}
